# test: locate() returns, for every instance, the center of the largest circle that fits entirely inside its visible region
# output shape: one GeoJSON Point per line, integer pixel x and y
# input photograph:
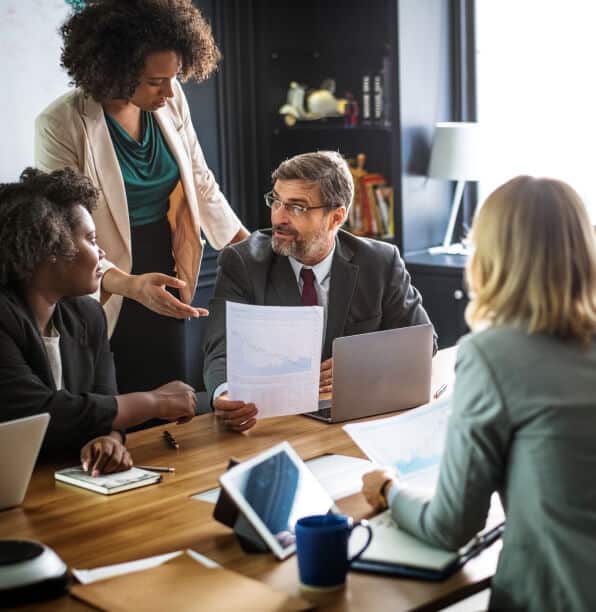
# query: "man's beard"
{"type": "Point", "coordinates": [298, 248]}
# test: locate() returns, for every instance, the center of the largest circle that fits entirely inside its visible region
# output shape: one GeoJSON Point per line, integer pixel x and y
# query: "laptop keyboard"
{"type": "Point", "coordinates": [323, 412]}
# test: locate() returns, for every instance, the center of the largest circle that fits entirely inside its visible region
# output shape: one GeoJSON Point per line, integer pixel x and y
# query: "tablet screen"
{"type": "Point", "coordinates": [278, 489]}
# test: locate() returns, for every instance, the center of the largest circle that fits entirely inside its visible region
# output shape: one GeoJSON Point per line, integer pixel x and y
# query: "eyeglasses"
{"type": "Point", "coordinates": [296, 210]}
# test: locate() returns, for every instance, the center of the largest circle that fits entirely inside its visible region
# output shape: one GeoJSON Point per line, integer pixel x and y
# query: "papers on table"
{"type": "Point", "coordinates": [339, 475]}
{"type": "Point", "coordinates": [118, 569]}
{"type": "Point", "coordinates": [274, 357]}
{"type": "Point", "coordinates": [412, 443]}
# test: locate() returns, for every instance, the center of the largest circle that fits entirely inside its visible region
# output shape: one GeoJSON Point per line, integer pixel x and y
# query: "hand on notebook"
{"type": "Point", "coordinates": [234, 414]}
{"type": "Point", "coordinates": [326, 380]}
{"type": "Point", "coordinates": [375, 485]}
{"type": "Point", "coordinates": [105, 455]}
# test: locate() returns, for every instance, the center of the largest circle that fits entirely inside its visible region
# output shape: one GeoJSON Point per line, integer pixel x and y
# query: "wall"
{"type": "Point", "coordinates": [425, 77]}
{"type": "Point", "coordinates": [31, 75]}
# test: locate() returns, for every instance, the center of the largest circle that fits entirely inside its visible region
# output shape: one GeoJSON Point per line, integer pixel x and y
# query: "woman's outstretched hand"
{"type": "Point", "coordinates": [150, 290]}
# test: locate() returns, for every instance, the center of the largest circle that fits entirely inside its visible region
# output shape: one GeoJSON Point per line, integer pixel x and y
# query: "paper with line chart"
{"type": "Point", "coordinates": [411, 443]}
{"type": "Point", "coordinates": [274, 357]}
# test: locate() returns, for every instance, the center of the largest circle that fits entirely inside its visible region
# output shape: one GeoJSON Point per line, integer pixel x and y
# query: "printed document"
{"type": "Point", "coordinates": [411, 443]}
{"type": "Point", "coordinates": [274, 357]}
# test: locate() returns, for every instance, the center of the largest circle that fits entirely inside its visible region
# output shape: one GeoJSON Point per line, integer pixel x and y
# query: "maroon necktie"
{"type": "Point", "coordinates": [309, 295]}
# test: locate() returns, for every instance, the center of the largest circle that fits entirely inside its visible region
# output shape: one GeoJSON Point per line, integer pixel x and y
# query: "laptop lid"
{"type": "Point", "coordinates": [381, 372]}
{"type": "Point", "coordinates": [20, 441]}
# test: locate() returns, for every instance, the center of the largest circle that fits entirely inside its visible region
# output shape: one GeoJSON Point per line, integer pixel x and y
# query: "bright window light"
{"type": "Point", "coordinates": [537, 91]}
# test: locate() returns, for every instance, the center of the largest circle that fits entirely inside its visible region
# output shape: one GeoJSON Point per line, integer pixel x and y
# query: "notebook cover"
{"type": "Point", "coordinates": [184, 585]}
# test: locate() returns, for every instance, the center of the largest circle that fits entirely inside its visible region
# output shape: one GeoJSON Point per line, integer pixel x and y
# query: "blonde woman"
{"type": "Point", "coordinates": [524, 405]}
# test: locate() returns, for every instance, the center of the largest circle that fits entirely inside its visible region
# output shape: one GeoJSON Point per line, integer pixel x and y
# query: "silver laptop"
{"type": "Point", "coordinates": [20, 442]}
{"type": "Point", "coordinates": [379, 372]}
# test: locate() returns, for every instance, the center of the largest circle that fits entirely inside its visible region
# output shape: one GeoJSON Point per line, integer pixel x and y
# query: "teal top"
{"type": "Point", "coordinates": [148, 168]}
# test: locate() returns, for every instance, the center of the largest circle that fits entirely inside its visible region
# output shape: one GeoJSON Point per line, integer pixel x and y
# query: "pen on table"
{"type": "Point", "coordinates": [156, 468]}
{"type": "Point", "coordinates": [170, 440]}
{"type": "Point", "coordinates": [440, 391]}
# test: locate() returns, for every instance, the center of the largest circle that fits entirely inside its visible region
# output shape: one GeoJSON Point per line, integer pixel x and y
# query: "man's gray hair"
{"type": "Point", "coordinates": [327, 168]}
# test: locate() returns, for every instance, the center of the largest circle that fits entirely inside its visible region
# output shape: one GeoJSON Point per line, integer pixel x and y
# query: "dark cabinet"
{"type": "Point", "coordinates": [400, 47]}
{"type": "Point", "coordinates": [411, 45]}
{"type": "Point", "coordinates": [440, 280]}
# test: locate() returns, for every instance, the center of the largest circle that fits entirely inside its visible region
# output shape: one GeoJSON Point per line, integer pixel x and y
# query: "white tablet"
{"type": "Point", "coordinates": [273, 490]}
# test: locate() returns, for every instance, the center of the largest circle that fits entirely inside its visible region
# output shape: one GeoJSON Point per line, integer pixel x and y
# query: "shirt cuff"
{"type": "Point", "coordinates": [392, 493]}
{"type": "Point", "coordinates": [219, 390]}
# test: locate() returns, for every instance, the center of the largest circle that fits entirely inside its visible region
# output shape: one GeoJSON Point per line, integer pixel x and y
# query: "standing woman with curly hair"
{"type": "Point", "coordinates": [54, 352]}
{"type": "Point", "coordinates": [127, 126]}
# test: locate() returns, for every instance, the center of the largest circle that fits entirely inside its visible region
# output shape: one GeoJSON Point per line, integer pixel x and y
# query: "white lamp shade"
{"type": "Point", "coordinates": [456, 152]}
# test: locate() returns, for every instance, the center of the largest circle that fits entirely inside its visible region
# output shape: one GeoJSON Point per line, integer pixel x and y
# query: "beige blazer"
{"type": "Point", "coordinates": [72, 131]}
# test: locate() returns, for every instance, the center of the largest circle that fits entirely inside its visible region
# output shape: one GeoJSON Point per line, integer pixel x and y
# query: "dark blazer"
{"type": "Point", "coordinates": [370, 290]}
{"type": "Point", "coordinates": [86, 407]}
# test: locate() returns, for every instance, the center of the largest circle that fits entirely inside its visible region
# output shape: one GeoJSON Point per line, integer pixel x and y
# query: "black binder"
{"type": "Point", "coordinates": [474, 548]}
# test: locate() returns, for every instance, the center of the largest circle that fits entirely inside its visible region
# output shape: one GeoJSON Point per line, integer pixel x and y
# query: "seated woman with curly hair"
{"type": "Point", "coordinates": [127, 126]}
{"type": "Point", "coordinates": [54, 352]}
{"type": "Point", "coordinates": [523, 420]}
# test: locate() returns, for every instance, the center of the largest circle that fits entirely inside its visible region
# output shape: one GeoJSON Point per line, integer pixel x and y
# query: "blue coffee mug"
{"type": "Point", "coordinates": [322, 548]}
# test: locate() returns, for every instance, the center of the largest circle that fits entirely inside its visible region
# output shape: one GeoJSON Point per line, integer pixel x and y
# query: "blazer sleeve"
{"type": "Point", "coordinates": [52, 149]}
{"type": "Point", "coordinates": [218, 220]}
{"type": "Point", "coordinates": [473, 464]}
{"type": "Point", "coordinates": [402, 303]}
{"type": "Point", "coordinates": [105, 369]}
{"type": "Point", "coordinates": [75, 418]}
{"type": "Point", "coordinates": [231, 285]}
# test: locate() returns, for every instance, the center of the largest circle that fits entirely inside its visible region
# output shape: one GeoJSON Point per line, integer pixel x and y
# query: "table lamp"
{"type": "Point", "coordinates": [455, 156]}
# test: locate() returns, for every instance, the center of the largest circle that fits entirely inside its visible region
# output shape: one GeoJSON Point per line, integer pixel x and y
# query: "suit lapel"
{"type": "Point", "coordinates": [344, 275]}
{"type": "Point", "coordinates": [72, 335]}
{"type": "Point", "coordinates": [283, 283]}
{"type": "Point", "coordinates": [176, 146]}
{"type": "Point", "coordinates": [106, 166]}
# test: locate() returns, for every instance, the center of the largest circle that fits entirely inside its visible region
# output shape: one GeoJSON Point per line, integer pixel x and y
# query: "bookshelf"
{"type": "Point", "coordinates": [318, 40]}
{"type": "Point", "coordinates": [267, 44]}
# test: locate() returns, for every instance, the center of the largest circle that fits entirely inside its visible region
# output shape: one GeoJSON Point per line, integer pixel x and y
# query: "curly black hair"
{"type": "Point", "coordinates": [37, 218]}
{"type": "Point", "coordinates": [106, 44]}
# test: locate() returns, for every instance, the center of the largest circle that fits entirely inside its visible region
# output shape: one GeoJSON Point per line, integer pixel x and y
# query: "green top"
{"type": "Point", "coordinates": [148, 168]}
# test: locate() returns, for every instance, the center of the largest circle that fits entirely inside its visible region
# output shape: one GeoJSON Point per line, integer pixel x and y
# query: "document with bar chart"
{"type": "Point", "coordinates": [411, 443]}
{"type": "Point", "coordinates": [274, 357]}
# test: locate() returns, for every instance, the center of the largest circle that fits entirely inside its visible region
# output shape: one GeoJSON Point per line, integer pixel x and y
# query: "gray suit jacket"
{"type": "Point", "coordinates": [523, 424]}
{"type": "Point", "coordinates": [370, 290]}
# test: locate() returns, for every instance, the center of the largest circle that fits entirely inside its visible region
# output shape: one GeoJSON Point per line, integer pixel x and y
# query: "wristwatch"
{"type": "Point", "coordinates": [382, 494]}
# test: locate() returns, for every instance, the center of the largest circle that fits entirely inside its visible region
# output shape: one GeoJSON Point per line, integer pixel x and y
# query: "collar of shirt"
{"type": "Point", "coordinates": [322, 270]}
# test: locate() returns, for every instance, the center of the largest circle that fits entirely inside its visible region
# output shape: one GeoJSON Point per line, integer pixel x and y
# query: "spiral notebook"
{"type": "Point", "coordinates": [108, 484]}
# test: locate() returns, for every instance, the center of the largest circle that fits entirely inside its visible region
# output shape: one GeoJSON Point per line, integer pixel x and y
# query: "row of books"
{"type": "Point", "coordinates": [375, 99]}
{"type": "Point", "coordinates": [372, 211]}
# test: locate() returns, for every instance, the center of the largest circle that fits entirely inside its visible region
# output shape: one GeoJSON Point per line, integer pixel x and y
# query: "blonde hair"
{"type": "Point", "coordinates": [534, 263]}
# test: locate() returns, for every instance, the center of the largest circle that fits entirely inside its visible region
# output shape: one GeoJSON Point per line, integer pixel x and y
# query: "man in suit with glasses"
{"type": "Point", "coordinates": [307, 259]}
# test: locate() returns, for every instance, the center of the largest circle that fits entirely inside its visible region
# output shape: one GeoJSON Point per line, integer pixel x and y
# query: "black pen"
{"type": "Point", "coordinates": [170, 440]}
{"type": "Point", "coordinates": [482, 541]}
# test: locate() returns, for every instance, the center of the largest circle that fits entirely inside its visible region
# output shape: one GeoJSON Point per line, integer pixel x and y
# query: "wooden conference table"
{"type": "Point", "coordinates": [88, 530]}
